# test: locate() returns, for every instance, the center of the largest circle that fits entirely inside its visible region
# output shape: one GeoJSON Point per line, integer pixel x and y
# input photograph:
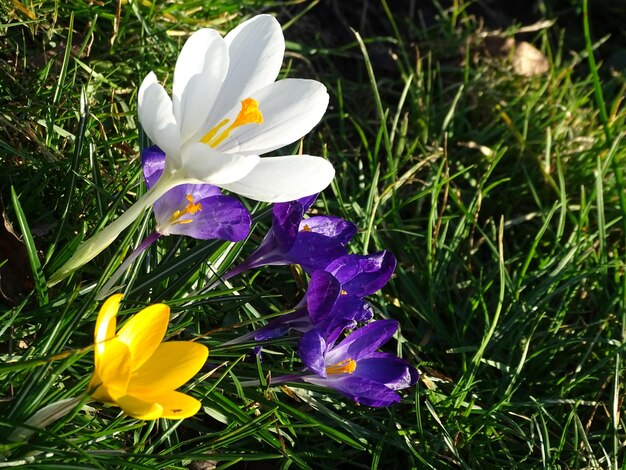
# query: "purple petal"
{"type": "Point", "coordinates": [152, 163]}
{"type": "Point", "coordinates": [312, 243]}
{"type": "Point", "coordinates": [387, 369]}
{"type": "Point", "coordinates": [344, 314]}
{"type": "Point", "coordinates": [266, 254]}
{"type": "Point", "coordinates": [320, 241]}
{"type": "Point", "coordinates": [176, 200]}
{"type": "Point", "coordinates": [321, 295]}
{"type": "Point", "coordinates": [361, 343]}
{"type": "Point", "coordinates": [362, 275]}
{"type": "Point", "coordinates": [307, 201]}
{"type": "Point", "coordinates": [275, 247]}
{"type": "Point", "coordinates": [333, 328]}
{"type": "Point", "coordinates": [314, 252]}
{"type": "Point", "coordinates": [311, 349]}
{"type": "Point", "coordinates": [282, 325]}
{"type": "Point", "coordinates": [330, 226]}
{"type": "Point", "coordinates": [167, 205]}
{"type": "Point", "coordinates": [352, 308]}
{"type": "Point", "coordinates": [286, 217]}
{"type": "Point", "coordinates": [220, 216]}
{"type": "Point", "coordinates": [361, 390]}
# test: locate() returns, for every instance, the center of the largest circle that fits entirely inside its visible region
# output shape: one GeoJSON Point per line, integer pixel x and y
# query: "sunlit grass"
{"type": "Point", "coordinates": [496, 192]}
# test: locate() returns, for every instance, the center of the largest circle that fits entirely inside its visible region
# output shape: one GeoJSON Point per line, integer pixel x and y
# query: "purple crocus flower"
{"type": "Point", "coordinates": [196, 210]}
{"type": "Point", "coordinates": [312, 243]}
{"type": "Point", "coordinates": [334, 299]}
{"type": "Point", "coordinates": [335, 296]}
{"type": "Point", "coordinates": [354, 367]}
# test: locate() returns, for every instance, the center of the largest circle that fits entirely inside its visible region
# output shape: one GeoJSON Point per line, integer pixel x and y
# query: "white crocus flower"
{"type": "Point", "coordinates": [226, 110]}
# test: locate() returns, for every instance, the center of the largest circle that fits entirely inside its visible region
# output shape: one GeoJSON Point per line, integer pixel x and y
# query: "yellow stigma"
{"type": "Point", "coordinates": [343, 292]}
{"type": "Point", "coordinates": [191, 209]}
{"type": "Point", "coordinates": [249, 114]}
{"type": "Point", "coordinates": [347, 366]}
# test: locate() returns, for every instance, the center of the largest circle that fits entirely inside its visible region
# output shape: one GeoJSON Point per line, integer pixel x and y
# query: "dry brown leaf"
{"type": "Point", "coordinates": [528, 61]}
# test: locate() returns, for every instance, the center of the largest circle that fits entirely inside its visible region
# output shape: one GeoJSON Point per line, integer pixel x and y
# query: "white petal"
{"type": "Point", "coordinates": [206, 165]}
{"type": "Point", "coordinates": [200, 71]}
{"type": "Point", "coordinates": [156, 116]}
{"type": "Point", "coordinates": [290, 108]}
{"type": "Point", "coordinates": [256, 48]}
{"type": "Point", "coordinates": [282, 179]}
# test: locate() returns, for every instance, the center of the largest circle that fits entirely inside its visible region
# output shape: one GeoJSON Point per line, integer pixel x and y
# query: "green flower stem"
{"type": "Point", "coordinates": [109, 287]}
{"type": "Point", "coordinates": [92, 247]}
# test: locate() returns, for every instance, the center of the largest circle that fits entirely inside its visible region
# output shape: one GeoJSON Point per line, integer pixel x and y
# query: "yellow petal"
{"type": "Point", "coordinates": [172, 364]}
{"type": "Point", "coordinates": [105, 324]}
{"type": "Point", "coordinates": [101, 393]}
{"type": "Point", "coordinates": [175, 405]}
{"type": "Point", "coordinates": [97, 390]}
{"type": "Point", "coordinates": [144, 332]}
{"type": "Point", "coordinates": [112, 371]}
{"type": "Point", "coordinates": [139, 408]}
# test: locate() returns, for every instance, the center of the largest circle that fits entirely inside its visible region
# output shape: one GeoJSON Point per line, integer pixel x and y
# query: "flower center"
{"type": "Point", "coordinates": [306, 228]}
{"type": "Point", "coordinates": [347, 366]}
{"type": "Point", "coordinates": [191, 209]}
{"type": "Point", "coordinates": [249, 114]}
{"type": "Point", "coordinates": [343, 292]}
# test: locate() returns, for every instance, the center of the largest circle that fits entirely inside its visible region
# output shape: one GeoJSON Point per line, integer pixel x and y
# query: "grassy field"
{"type": "Point", "coordinates": [501, 194]}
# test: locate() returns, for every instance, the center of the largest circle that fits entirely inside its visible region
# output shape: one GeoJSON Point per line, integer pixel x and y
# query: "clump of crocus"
{"type": "Point", "coordinates": [312, 243]}
{"type": "Point", "coordinates": [139, 373]}
{"type": "Point", "coordinates": [226, 110]}
{"type": "Point", "coordinates": [355, 367]}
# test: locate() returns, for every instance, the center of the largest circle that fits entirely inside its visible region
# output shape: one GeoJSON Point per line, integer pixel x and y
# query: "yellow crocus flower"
{"type": "Point", "coordinates": [139, 373]}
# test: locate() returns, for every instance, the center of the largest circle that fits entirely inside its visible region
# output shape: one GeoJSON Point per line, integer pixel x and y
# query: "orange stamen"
{"type": "Point", "coordinates": [249, 114]}
{"type": "Point", "coordinates": [191, 209]}
{"type": "Point", "coordinates": [347, 366]}
{"type": "Point", "coordinates": [306, 228]}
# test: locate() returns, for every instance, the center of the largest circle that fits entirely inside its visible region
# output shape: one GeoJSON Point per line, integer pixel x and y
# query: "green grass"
{"type": "Point", "coordinates": [500, 195]}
